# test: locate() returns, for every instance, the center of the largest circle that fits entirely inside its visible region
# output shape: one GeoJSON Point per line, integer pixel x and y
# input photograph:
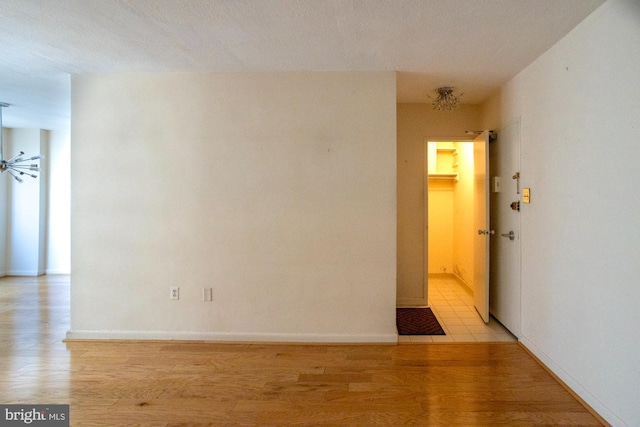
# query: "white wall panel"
{"type": "Point", "coordinates": [277, 190]}
{"type": "Point", "coordinates": [580, 114]}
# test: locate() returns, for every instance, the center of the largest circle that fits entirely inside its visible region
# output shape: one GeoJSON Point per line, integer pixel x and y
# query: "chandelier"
{"type": "Point", "coordinates": [446, 100]}
{"type": "Point", "coordinates": [15, 166]}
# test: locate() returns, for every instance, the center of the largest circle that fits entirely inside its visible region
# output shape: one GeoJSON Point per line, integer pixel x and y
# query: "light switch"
{"type": "Point", "coordinates": [526, 195]}
{"type": "Point", "coordinates": [497, 184]}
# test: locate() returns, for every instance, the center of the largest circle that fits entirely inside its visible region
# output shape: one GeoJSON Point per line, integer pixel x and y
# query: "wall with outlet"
{"type": "Point", "coordinates": [274, 190]}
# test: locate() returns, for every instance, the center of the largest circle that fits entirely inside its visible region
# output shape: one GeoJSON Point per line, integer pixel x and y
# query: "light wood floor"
{"type": "Point", "coordinates": [180, 383]}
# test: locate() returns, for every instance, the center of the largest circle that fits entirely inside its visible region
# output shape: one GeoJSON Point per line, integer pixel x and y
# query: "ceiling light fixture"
{"type": "Point", "coordinates": [446, 100]}
{"type": "Point", "coordinates": [14, 165]}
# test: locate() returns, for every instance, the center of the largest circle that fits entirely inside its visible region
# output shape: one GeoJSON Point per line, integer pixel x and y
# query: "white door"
{"type": "Point", "coordinates": [481, 225]}
{"type": "Point", "coordinates": [505, 220]}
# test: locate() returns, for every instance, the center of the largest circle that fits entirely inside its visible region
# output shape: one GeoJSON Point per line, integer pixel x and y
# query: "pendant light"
{"type": "Point", "coordinates": [446, 100]}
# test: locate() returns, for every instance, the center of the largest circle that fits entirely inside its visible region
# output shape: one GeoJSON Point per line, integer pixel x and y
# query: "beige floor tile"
{"type": "Point", "coordinates": [451, 321]}
{"type": "Point", "coordinates": [453, 306]}
{"type": "Point", "coordinates": [446, 315]}
{"type": "Point", "coordinates": [473, 321]}
{"type": "Point", "coordinates": [463, 337]}
{"type": "Point", "coordinates": [457, 329]}
{"type": "Point", "coordinates": [469, 315]}
{"type": "Point", "coordinates": [478, 329]}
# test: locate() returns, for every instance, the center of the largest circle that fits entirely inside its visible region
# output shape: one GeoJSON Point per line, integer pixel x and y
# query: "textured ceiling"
{"type": "Point", "coordinates": [474, 45]}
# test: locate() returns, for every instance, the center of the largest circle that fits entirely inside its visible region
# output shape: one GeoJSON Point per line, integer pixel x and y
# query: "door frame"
{"type": "Point", "coordinates": [482, 223]}
{"type": "Point", "coordinates": [498, 162]}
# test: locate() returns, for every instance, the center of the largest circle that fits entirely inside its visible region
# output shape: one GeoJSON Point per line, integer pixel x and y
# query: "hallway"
{"type": "Point", "coordinates": [452, 304]}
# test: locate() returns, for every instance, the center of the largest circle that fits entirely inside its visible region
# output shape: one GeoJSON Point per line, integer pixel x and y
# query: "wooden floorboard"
{"type": "Point", "coordinates": [198, 383]}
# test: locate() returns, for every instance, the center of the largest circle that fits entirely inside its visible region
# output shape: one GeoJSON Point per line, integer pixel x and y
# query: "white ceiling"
{"type": "Point", "coordinates": [474, 45]}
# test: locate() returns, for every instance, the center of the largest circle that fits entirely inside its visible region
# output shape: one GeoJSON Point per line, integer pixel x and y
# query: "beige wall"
{"type": "Point", "coordinates": [441, 227]}
{"type": "Point", "coordinates": [277, 190]}
{"type": "Point", "coordinates": [416, 123]}
{"type": "Point", "coordinates": [440, 198]}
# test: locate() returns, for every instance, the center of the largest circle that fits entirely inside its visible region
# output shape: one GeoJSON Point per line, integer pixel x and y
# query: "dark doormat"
{"type": "Point", "coordinates": [417, 321]}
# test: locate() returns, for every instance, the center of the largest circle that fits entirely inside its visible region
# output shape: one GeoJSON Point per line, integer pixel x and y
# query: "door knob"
{"type": "Point", "coordinates": [511, 235]}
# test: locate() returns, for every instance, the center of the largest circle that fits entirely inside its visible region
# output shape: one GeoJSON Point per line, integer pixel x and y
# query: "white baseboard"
{"type": "Point", "coordinates": [454, 276]}
{"type": "Point", "coordinates": [232, 337]}
{"type": "Point", "coordinates": [572, 383]}
{"type": "Point", "coordinates": [411, 302]}
{"type": "Point", "coordinates": [58, 272]}
{"type": "Point", "coordinates": [31, 273]}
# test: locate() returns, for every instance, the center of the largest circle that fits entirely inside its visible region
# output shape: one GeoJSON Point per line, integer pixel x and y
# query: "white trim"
{"type": "Point", "coordinates": [411, 302]}
{"type": "Point", "coordinates": [573, 383]}
{"type": "Point", "coordinates": [232, 337]}
{"type": "Point", "coordinates": [58, 272]}
{"type": "Point", "coordinates": [33, 273]}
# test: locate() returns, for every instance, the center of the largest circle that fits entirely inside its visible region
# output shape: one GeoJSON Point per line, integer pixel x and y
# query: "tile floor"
{"type": "Point", "coordinates": [452, 304]}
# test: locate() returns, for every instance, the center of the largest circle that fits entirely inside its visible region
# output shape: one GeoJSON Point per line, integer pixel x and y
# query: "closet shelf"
{"type": "Point", "coordinates": [444, 176]}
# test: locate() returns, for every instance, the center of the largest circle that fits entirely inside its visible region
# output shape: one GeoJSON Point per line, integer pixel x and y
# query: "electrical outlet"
{"type": "Point", "coordinates": [175, 292]}
{"type": "Point", "coordinates": [207, 294]}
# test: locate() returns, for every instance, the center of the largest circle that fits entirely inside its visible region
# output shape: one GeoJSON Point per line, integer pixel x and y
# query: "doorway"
{"type": "Point", "coordinates": [451, 187]}
{"type": "Point", "coordinates": [450, 209]}
{"type": "Point", "coordinates": [451, 301]}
